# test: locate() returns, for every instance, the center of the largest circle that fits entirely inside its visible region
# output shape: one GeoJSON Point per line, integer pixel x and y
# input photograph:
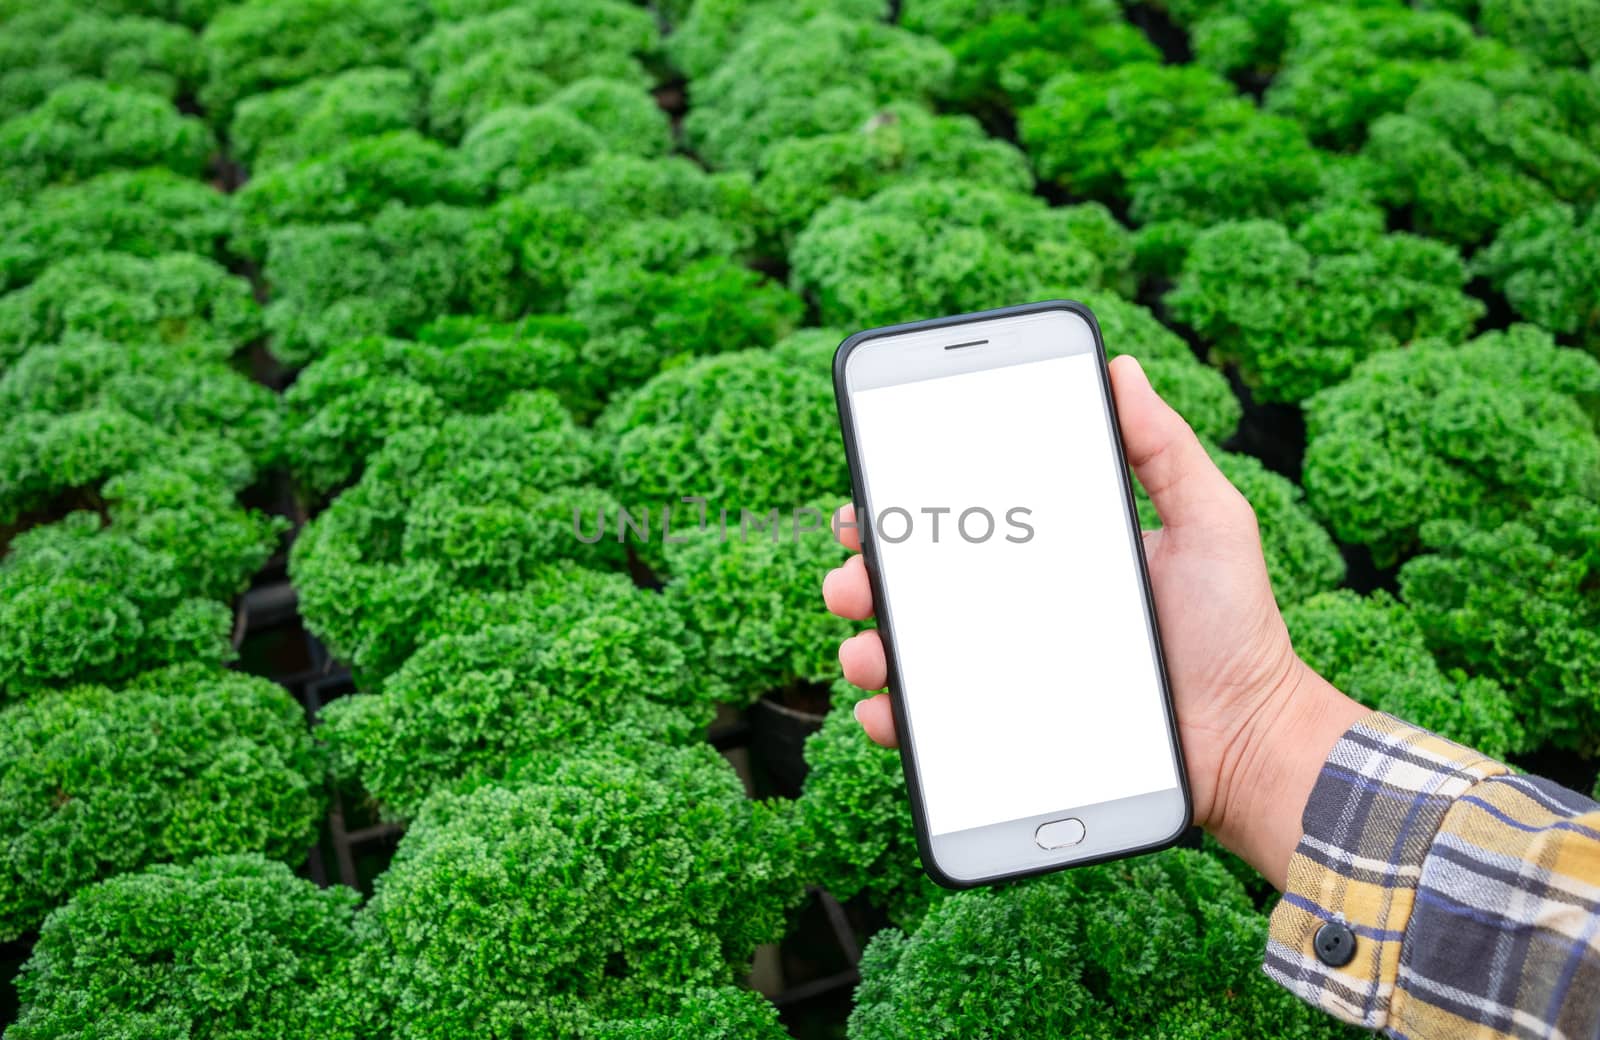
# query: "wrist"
{"type": "Point", "coordinates": [1275, 760]}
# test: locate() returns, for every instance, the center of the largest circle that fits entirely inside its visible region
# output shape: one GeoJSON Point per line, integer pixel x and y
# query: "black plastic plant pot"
{"type": "Point", "coordinates": [778, 741]}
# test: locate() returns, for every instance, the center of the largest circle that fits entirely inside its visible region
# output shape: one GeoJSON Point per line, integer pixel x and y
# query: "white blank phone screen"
{"type": "Point", "coordinates": [1026, 665]}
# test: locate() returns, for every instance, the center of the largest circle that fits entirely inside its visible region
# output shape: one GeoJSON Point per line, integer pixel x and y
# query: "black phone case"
{"type": "Point", "coordinates": [908, 758]}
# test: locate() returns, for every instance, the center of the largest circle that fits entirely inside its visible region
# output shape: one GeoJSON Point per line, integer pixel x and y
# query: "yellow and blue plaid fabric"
{"type": "Point", "coordinates": [1473, 893]}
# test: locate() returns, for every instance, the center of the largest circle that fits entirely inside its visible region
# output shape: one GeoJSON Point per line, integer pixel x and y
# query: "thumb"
{"type": "Point", "coordinates": [1183, 483]}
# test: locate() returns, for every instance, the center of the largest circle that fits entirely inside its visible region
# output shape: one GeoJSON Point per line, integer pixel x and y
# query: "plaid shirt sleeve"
{"type": "Point", "coordinates": [1472, 895]}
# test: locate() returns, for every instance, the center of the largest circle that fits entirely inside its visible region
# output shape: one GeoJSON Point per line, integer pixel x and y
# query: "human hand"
{"type": "Point", "coordinates": [1256, 723]}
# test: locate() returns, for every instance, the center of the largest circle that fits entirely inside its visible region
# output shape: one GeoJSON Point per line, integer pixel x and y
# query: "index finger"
{"type": "Point", "coordinates": [844, 527]}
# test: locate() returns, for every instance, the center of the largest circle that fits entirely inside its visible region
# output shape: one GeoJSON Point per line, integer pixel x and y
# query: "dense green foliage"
{"type": "Point", "coordinates": [184, 763]}
{"type": "Point", "coordinates": [1373, 649]}
{"type": "Point", "coordinates": [86, 410]}
{"type": "Point", "coordinates": [1159, 946]}
{"type": "Point", "coordinates": [1266, 168]}
{"type": "Point", "coordinates": [261, 44]}
{"type": "Point", "coordinates": [1297, 309]}
{"type": "Point", "coordinates": [1547, 262]}
{"type": "Point", "coordinates": [320, 114]}
{"type": "Point", "coordinates": [1346, 66]}
{"type": "Point", "coordinates": [709, 1014]}
{"type": "Point", "coordinates": [336, 282]}
{"type": "Point", "coordinates": [573, 657]}
{"type": "Point", "coordinates": [1086, 130]}
{"type": "Point", "coordinates": [83, 600]}
{"type": "Point", "coordinates": [178, 299]}
{"type": "Point", "coordinates": [488, 54]}
{"type": "Point", "coordinates": [1479, 432]}
{"type": "Point", "coordinates": [227, 947]}
{"type": "Point", "coordinates": [1004, 51]}
{"type": "Point", "coordinates": [1561, 32]}
{"type": "Point", "coordinates": [942, 247]}
{"type": "Point", "coordinates": [145, 212]}
{"type": "Point", "coordinates": [744, 431]}
{"type": "Point", "coordinates": [750, 596]}
{"type": "Point", "coordinates": [477, 502]}
{"type": "Point", "coordinates": [344, 407]}
{"type": "Point", "coordinates": [85, 127]}
{"type": "Point", "coordinates": [591, 883]}
{"type": "Point", "coordinates": [857, 818]}
{"type": "Point", "coordinates": [54, 42]}
{"type": "Point", "coordinates": [802, 79]}
{"type": "Point", "coordinates": [801, 175]}
{"type": "Point", "coordinates": [1517, 601]}
{"type": "Point", "coordinates": [354, 181]}
{"type": "Point", "coordinates": [1466, 157]}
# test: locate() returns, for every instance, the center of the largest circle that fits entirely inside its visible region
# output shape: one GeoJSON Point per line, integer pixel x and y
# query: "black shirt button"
{"type": "Point", "coordinates": [1335, 944]}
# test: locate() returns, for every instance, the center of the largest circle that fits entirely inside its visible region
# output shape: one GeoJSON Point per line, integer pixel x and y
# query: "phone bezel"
{"type": "Point", "coordinates": [908, 757]}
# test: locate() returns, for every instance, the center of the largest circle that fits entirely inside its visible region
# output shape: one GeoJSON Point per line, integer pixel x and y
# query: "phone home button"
{"type": "Point", "coordinates": [1058, 834]}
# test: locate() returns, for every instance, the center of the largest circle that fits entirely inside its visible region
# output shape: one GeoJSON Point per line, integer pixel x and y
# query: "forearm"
{"type": "Point", "coordinates": [1278, 755]}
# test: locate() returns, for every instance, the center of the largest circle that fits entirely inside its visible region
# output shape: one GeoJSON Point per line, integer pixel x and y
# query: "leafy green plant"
{"type": "Point", "coordinates": [585, 886]}
{"type": "Point", "coordinates": [799, 176]}
{"type": "Point", "coordinates": [1547, 262]}
{"type": "Point", "coordinates": [187, 303]}
{"type": "Point", "coordinates": [84, 411]}
{"type": "Point", "coordinates": [1266, 168]}
{"type": "Point", "coordinates": [941, 247]}
{"type": "Point", "coordinates": [744, 431]}
{"type": "Point", "coordinates": [343, 407]}
{"type": "Point", "coordinates": [572, 658]}
{"type": "Point", "coordinates": [352, 183]}
{"type": "Point", "coordinates": [52, 43]}
{"type": "Point", "coordinates": [856, 817]}
{"type": "Point", "coordinates": [183, 763]}
{"type": "Point", "coordinates": [1302, 559]}
{"type": "Point", "coordinates": [1372, 648]}
{"type": "Point", "coordinates": [1087, 130]}
{"type": "Point", "coordinates": [750, 597]}
{"type": "Point", "coordinates": [1479, 431]}
{"type": "Point", "coordinates": [477, 502]}
{"type": "Point", "coordinates": [1167, 945]}
{"type": "Point", "coordinates": [486, 56]}
{"type": "Point", "coordinates": [1344, 67]}
{"type": "Point", "coordinates": [725, 1013]}
{"type": "Point", "coordinates": [803, 79]}
{"type": "Point", "coordinates": [513, 146]}
{"type": "Point", "coordinates": [1005, 51]}
{"type": "Point", "coordinates": [1297, 309]}
{"type": "Point", "coordinates": [1466, 158]}
{"type": "Point", "coordinates": [261, 45]}
{"type": "Point", "coordinates": [332, 283]}
{"type": "Point", "coordinates": [710, 30]}
{"type": "Point", "coordinates": [1517, 601]}
{"type": "Point", "coordinates": [84, 128]}
{"type": "Point", "coordinates": [1243, 38]}
{"type": "Point", "coordinates": [644, 320]}
{"type": "Point", "coordinates": [619, 216]}
{"type": "Point", "coordinates": [144, 213]}
{"type": "Point", "coordinates": [230, 946]}
{"type": "Point", "coordinates": [1557, 32]}
{"type": "Point", "coordinates": [83, 600]}
{"type": "Point", "coordinates": [1199, 393]}
{"type": "Point", "coordinates": [319, 115]}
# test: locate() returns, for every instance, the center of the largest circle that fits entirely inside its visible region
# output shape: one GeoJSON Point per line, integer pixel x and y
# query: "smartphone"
{"type": "Point", "coordinates": [998, 528]}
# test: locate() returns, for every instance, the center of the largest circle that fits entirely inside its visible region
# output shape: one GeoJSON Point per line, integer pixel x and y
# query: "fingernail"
{"type": "Point", "coordinates": [856, 711]}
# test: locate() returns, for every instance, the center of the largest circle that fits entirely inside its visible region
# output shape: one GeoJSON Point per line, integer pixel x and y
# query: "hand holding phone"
{"type": "Point", "coordinates": [1252, 748]}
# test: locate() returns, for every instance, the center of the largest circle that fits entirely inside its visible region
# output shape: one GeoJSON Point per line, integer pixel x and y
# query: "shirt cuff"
{"type": "Point", "coordinates": [1367, 829]}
